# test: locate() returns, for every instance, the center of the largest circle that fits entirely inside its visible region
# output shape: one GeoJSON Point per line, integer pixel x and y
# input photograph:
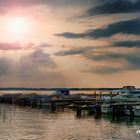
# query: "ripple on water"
{"type": "Point", "coordinates": [18, 123]}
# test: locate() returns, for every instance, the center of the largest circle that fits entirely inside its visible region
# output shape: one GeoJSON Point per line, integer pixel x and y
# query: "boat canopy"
{"type": "Point", "coordinates": [128, 88]}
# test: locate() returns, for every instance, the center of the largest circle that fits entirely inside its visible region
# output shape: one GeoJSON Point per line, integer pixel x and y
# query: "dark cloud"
{"type": "Point", "coordinates": [90, 53]}
{"type": "Point", "coordinates": [35, 63]}
{"type": "Point", "coordinates": [41, 58]}
{"type": "Point", "coordinates": [6, 66]}
{"type": "Point", "coordinates": [8, 5]}
{"type": "Point", "coordinates": [76, 51]}
{"type": "Point", "coordinates": [128, 61]}
{"type": "Point", "coordinates": [36, 69]}
{"type": "Point", "coordinates": [128, 44]}
{"type": "Point", "coordinates": [132, 59]}
{"type": "Point", "coordinates": [14, 3]}
{"type": "Point", "coordinates": [115, 7]}
{"type": "Point", "coordinates": [44, 45]}
{"type": "Point", "coordinates": [104, 56]}
{"type": "Point", "coordinates": [105, 70]}
{"type": "Point", "coordinates": [123, 27]}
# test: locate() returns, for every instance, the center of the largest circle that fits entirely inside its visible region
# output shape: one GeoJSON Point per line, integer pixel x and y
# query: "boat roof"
{"type": "Point", "coordinates": [129, 87]}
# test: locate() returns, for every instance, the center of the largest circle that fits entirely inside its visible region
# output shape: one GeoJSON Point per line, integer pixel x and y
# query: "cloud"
{"type": "Point", "coordinates": [36, 69]}
{"type": "Point", "coordinates": [115, 7]}
{"type": "Point", "coordinates": [44, 45]}
{"type": "Point", "coordinates": [129, 27]}
{"type": "Point", "coordinates": [76, 51]}
{"type": "Point", "coordinates": [105, 70]}
{"type": "Point", "coordinates": [128, 44]}
{"type": "Point", "coordinates": [14, 3]}
{"type": "Point", "coordinates": [6, 66]}
{"type": "Point", "coordinates": [132, 59]}
{"type": "Point", "coordinates": [21, 3]}
{"type": "Point", "coordinates": [36, 62]}
{"type": "Point", "coordinates": [10, 46]}
{"type": "Point", "coordinates": [8, 5]}
{"type": "Point", "coordinates": [90, 53]}
{"type": "Point", "coordinates": [127, 61]}
{"type": "Point", "coordinates": [103, 56]}
{"type": "Point", "coordinates": [19, 46]}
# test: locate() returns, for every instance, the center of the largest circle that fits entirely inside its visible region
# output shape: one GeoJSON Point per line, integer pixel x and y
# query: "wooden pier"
{"type": "Point", "coordinates": [32, 100]}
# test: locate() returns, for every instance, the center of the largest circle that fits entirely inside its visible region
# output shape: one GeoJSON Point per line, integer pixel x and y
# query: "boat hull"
{"type": "Point", "coordinates": [106, 109]}
{"type": "Point", "coordinates": [134, 112]}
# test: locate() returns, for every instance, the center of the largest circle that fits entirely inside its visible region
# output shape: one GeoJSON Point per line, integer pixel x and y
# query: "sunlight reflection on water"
{"type": "Point", "coordinates": [23, 123]}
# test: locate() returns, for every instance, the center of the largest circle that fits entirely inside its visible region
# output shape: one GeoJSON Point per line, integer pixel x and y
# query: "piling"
{"type": "Point", "coordinates": [78, 110]}
{"type": "Point", "coordinates": [117, 112]}
{"type": "Point", "coordinates": [131, 113]}
{"type": "Point", "coordinates": [98, 109]}
{"type": "Point", "coordinates": [53, 106]}
{"type": "Point", "coordinates": [111, 95]}
{"type": "Point", "coordinates": [94, 94]}
{"type": "Point", "coordinates": [100, 94]}
{"type": "Point", "coordinates": [130, 107]}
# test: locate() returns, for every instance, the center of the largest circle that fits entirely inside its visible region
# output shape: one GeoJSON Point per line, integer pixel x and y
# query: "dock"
{"type": "Point", "coordinates": [57, 100]}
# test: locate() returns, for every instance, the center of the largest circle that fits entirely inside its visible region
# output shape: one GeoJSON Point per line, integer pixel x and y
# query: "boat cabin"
{"type": "Point", "coordinates": [129, 88]}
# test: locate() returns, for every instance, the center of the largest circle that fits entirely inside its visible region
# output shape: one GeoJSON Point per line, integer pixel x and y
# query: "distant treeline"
{"type": "Point", "coordinates": [51, 89]}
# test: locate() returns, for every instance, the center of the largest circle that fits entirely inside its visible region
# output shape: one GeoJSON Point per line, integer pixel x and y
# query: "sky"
{"type": "Point", "coordinates": [69, 43]}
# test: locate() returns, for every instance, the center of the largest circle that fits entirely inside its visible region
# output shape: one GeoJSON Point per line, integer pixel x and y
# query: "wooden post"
{"type": "Point", "coordinates": [53, 107]}
{"type": "Point", "coordinates": [95, 94]}
{"type": "Point", "coordinates": [100, 94]}
{"type": "Point", "coordinates": [111, 95]}
{"type": "Point", "coordinates": [113, 112]}
{"type": "Point", "coordinates": [78, 110]}
{"type": "Point", "coordinates": [116, 113]}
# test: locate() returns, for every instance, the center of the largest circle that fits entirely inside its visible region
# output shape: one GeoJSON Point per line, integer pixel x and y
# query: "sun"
{"type": "Point", "coordinates": [18, 25]}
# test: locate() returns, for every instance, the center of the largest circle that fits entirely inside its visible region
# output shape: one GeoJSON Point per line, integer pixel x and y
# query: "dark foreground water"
{"type": "Point", "coordinates": [20, 123]}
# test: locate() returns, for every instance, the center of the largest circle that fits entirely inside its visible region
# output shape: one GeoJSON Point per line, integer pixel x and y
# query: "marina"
{"type": "Point", "coordinates": [69, 70]}
{"type": "Point", "coordinates": [44, 114]}
{"type": "Point", "coordinates": [125, 101]}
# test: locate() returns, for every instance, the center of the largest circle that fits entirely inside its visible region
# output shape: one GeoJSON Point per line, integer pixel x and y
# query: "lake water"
{"type": "Point", "coordinates": [23, 123]}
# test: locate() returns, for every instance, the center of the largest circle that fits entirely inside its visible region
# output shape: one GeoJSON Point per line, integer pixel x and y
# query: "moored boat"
{"type": "Point", "coordinates": [106, 108]}
{"type": "Point", "coordinates": [128, 94]}
{"type": "Point", "coordinates": [133, 111]}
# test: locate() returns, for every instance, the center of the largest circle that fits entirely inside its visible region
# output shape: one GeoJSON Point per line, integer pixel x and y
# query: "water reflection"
{"type": "Point", "coordinates": [20, 123]}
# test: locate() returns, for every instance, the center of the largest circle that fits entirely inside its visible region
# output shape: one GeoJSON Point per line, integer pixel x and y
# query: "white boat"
{"type": "Point", "coordinates": [128, 93]}
{"type": "Point", "coordinates": [137, 111]}
{"type": "Point", "coordinates": [106, 108]}
{"type": "Point", "coordinates": [126, 97]}
{"type": "Point", "coordinates": [134, 111]}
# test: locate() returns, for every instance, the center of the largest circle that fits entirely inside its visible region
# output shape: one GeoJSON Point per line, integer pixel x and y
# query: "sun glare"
{"type": "Point", "coordinates": [18, 26]}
